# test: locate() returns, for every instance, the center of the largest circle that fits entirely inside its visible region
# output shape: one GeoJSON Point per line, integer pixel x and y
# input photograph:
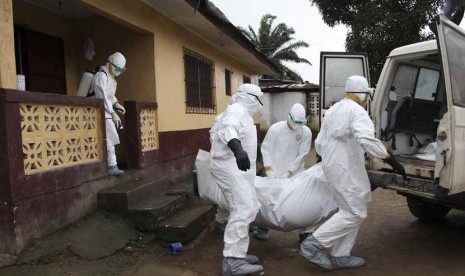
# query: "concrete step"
{"type": "Point", "coordinates": [149, 212]}
{"type": "Point", "coordinates": [121, 196]}
{"type": "Point", "coordinates": [188, 223]}
{"type": "Point", "coordinates": [168, 209]}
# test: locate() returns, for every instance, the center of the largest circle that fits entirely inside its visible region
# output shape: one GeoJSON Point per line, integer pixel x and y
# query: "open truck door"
{"type": "Point", "coordinates": [451, 134]}
{"type": "Point", "coordinates": [335, 68]}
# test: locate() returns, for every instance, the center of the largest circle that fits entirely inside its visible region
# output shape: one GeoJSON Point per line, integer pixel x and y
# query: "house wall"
{"type": "Point", "coordinates": [138, 81]}
{"type": "Point", "coordinates": [109, 37]}
{"type": "Point", "coordinates": [169, 41]}
{"type": "Point", "coordinates": [7, 50]}
{"type": "Point", "coordinates": [153, 45]}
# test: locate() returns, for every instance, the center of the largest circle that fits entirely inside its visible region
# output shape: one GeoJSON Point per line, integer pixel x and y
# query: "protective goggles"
{"type": "Point", "coordinates": [369, 93]}
{"type": "Point", "coordinates": [256, 97]}
{"type": "Point", "coordinates": [117, 68]}
{"type": "Point", "coordinates": [298, 122]}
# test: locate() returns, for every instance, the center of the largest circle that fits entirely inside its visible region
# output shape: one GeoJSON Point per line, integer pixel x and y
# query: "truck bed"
{"type": "Point", "coordinates": [416, 167]}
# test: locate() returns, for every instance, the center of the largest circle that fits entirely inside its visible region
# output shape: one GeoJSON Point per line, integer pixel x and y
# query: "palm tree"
{"type": "Point", "coordinates": [277, 43]}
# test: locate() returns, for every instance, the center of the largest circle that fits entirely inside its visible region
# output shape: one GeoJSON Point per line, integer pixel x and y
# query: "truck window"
{"type": "Point", "coordinates": [404, 82]}
{"type": "Point", "coordinates": [421, 83]}
{"type": "Point", "coordinates": [427, 84]}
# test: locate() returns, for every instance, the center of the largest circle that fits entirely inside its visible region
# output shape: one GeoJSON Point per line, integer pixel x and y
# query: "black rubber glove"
{"type": "Point", "coordinates": [242, 159]}
{"type": "Point", "coordinates": [318, 158]}
{"type": "Point", "coordinates": [396, 166]}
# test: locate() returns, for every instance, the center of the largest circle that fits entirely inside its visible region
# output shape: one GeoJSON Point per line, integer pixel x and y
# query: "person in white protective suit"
{"type": "Point", "coordinates": [222, 214]}
{"type": "Point", "coordinates": [346, 134]}
{"type": "Point", "coordinates": [286, 204]}
{"type": "Point", "coordinates": [233, 168]}
{"type": "Point", "coordinates": [104, 85]}
{"type": "Point", "coordinates": [284, 149]}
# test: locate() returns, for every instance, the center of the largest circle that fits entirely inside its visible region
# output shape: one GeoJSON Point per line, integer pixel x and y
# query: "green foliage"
{"type": "Point", "coordinates": [278, 44]}
{"type": "Point", "coordinates": [378, 26]}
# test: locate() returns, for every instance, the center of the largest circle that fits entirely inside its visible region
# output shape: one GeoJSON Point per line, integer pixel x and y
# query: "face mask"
{"type": "Point", "coordinates": [255, 105]}
{"type": "Point", "coordinates": [257, 98]}
{"type": "Point", "coordinates": [251, 102]}
{"type": "Point", "coordinates": [294, 123]}
{"type": "Point", "coordinates": [116, 70]}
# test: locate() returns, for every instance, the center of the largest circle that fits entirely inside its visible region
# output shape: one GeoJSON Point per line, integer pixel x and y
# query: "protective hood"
{"type": "Point", "coordinates": [250, 96]}
{"type": "Point", "coordinates": [117, 63]}
{"type": "Point", "coordinates": [297, 117]}
{"type": "Point", "coordinates": [233, 99]}
{"type": "Point", "coordinates": [358, 85]}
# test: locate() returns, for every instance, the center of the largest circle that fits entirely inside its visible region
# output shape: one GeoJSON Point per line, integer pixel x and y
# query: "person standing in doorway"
{"type": "Point", "coordinates": [104, 86]}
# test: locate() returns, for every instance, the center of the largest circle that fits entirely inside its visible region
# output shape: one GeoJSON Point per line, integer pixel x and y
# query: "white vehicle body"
{"type": "Point", "coordinates": [419, 101]}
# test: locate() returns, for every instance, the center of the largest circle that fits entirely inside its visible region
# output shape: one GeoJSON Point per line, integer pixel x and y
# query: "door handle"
{"type": "Point", "coordinates": [444, 155]}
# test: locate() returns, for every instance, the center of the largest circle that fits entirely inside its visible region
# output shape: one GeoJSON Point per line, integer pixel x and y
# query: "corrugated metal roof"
{"type": "Point", "coordinates": [295, 87]}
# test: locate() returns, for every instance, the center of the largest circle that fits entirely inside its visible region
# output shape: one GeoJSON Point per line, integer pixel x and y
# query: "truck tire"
{"type": "Point", "coordinates": [426, 211]}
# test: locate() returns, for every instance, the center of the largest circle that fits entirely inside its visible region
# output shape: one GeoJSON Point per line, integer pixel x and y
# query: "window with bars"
{"type": "Point", "coordinates": [246, 79]}
{"type": "Point", "coordinates": [227, 79]}
{"type": "Point", "coordinates": [199, 79]}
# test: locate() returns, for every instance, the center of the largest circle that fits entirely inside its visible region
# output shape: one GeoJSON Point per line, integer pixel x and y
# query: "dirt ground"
{"type": "Point", "coordinates": [392, 241]}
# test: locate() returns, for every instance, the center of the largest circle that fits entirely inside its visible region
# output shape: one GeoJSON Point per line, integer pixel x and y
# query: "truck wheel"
{"type": "Point", "coordinates": [426, 211]}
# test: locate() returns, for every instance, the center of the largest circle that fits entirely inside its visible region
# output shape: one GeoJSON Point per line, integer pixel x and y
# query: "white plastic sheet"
{"type": "Point", "coordinates": [428, 153]}
{"type": "Point", "coordinates": [295, 203]}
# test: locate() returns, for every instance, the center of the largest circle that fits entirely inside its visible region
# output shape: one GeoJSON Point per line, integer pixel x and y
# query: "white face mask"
{"type": "Point", "coordinates": [116, 71]}
{"type": "Point", "coordinates": [251, 102]}
{"type": "Point", "coordinates": [294, 125]}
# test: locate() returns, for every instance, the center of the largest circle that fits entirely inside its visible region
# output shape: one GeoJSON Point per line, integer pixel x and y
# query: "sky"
{"type": "Point", "coordinates": [298, 14]}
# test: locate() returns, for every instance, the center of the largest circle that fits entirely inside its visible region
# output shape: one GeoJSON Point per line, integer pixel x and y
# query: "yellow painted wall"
{"type": "Point", "coordinates": [169, 44]}
{"type": "Point", "coordinates": [7, 50]}
{"type": "Point", "coordinates": [109, 37]}
{"type": "Point", "coordinates": [170, 39]}
{"type": "Point", "coordinates": [150, 41]}
{"type": "Point", "coordinates": [138, 81]}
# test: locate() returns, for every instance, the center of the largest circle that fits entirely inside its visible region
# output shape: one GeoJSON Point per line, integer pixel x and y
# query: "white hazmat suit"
{"type": "Point", "coordinates": [346, 134]}
{"type": "Point", "coordinates": [237, 185]}
{"type": "Point", "coordinates": [104, 86]}
{"type": "Point", "coordinates": [284, 148]}
{"type": "Point", "coordinates": [288, 204]}
{"type": "Point", "coordinates": [286, 144]}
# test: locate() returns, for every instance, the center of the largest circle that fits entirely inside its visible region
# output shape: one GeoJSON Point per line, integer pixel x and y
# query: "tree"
{"type": "Point", "coordinates": [277, 43]}
{"type": "Point", "coordinates": [378, 26]}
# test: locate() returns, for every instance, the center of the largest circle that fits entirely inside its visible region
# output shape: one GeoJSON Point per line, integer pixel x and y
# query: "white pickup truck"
{"type": "Point", "coordinates": [419, 101]}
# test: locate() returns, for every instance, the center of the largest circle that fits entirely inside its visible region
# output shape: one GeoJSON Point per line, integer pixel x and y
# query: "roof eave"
{"type": "Point", "coordinates": [233, 32]}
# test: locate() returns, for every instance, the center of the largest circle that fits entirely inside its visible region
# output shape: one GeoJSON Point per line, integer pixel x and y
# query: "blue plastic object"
{"type": "Point", "coordinates": [175, 248]}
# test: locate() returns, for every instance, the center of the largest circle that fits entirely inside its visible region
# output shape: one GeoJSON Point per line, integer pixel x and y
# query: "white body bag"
{"type": "Point", "coordinates": [295, 203]}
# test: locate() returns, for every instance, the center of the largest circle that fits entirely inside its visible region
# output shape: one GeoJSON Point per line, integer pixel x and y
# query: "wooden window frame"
{"type": "Point", "coordinates": [199, 79]}
{"type": "Point", "coordinates": [227, 81]}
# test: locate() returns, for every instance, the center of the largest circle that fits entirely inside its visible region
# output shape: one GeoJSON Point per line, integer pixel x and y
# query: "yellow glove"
{"type": "Point", "coordinates": [269, 172]}
{"type": "Point", "coordinates": [286, 175]}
